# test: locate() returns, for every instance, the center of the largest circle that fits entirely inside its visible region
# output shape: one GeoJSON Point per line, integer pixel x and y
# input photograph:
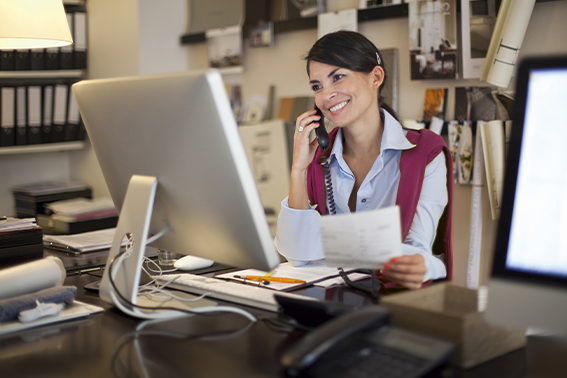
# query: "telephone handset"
{"type": "Point", "coordinates": [324, 143]}
{"type": "Point", "coordinates": [361, 343]}
{"type": "Point", "coordinates": [321, 132]}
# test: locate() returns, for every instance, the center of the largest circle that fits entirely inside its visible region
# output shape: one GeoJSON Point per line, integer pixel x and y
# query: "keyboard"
{"type": "Point", "coordinates": [248, 295]}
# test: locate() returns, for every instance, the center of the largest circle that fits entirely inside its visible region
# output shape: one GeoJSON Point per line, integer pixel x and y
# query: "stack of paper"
{"type": "Point", "coordinates": [79, 209]}
{"type": "Point", "coordinates": [15, 224]}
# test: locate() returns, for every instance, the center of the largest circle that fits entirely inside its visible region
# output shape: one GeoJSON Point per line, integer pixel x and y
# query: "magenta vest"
{"type": "Point", "coordinates": [412, 171]}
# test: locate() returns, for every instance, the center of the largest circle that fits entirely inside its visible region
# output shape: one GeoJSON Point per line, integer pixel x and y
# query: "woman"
{"type": "Point", "coordinates": [373, 161]}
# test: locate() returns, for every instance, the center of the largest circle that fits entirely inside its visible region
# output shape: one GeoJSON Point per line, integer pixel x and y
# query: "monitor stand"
{"type": "Point", "coordinates": [134, 221]}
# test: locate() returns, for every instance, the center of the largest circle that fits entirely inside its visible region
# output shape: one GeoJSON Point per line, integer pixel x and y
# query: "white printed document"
{"type": "Point", "coordinates": [365, 240]}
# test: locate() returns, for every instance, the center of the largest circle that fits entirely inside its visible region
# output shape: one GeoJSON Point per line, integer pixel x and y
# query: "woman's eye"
{"type": "Point", "coordinates": [315, 87]}
{"type": "Point", "coordinates": [338, 77]}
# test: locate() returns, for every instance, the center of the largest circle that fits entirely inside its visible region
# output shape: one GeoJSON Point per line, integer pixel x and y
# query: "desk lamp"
{"type": "Point", "coordinates": [27, 24]}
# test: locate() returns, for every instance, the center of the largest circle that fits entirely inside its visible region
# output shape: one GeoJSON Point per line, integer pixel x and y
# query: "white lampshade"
{"type": "Point", "coordinates": [30, 24]}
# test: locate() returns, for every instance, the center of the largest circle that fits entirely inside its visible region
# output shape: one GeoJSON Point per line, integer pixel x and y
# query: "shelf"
{"type": "Point", "coordinates": [231, 70]}
{"type": "Point", "coordinates": [48, 147]}
{"type": "Point", "coordinates": [368, 14]}
{"type": "Point", "coordinates": [47, 74]}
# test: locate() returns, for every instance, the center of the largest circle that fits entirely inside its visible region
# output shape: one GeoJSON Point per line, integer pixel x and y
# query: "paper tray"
{"type": "Point", "coordinates": [449, 312]}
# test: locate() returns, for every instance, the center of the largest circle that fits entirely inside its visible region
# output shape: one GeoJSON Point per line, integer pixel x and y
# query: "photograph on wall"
{"type": "Point", "coordinates": [474, 104]}
{"type": "Point", "coordinates": [224, 47]}
{"type": "Point", "coordinates": [433, 39]}
{"type": "Point", "coordinates": [478, 18]}
{"type": "Point", "coordinates": [262, 35]}
{"type": "Point", "coordinates": [435, 103]}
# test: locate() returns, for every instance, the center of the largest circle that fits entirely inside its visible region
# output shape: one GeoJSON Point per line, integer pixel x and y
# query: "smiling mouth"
{"type": "Point", "coordinates": [338, 106]}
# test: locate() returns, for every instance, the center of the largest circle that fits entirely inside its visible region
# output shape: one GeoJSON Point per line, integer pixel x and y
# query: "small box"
{"type": "Point", "coordinates": [450, 312]}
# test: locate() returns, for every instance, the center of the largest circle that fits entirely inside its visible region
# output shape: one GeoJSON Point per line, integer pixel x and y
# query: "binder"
{"type": "Point", "coordinates": [8, 98]}
{"type": "Point", "coordinates": [59, 112]}
{"type": "Point", "coordinates": [73, 119]}
{"type": "Point", "coordinates": [52, 58]}
{"type": "Point", "coordinates": [66, 52]}
{"type": "Point", "coordinates": [47, 114]}
{"type": "Point", "coordinates": [80, 40]}
{"type": "Point", "coordinates": [7, 60]}
{"type": "Point", "coordinates": [34, 114]}
{"type": "Point", "coordinates": [21, 116]}
{"type": "Point", "coordinates": [37, 59]}
{"type": "Point", "coordinates": [23, 62]}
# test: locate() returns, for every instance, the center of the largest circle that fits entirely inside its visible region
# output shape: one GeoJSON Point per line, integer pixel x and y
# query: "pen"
{"type": "Point", "coordinates": [273, 279]}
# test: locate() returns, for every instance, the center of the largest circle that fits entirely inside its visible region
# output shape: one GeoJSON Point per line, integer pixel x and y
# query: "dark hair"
{"type": "Point", "coordinates": [350, 50]}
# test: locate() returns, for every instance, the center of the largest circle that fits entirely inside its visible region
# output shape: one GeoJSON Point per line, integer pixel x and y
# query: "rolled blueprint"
{"type": "Point", "coordinates": [507, 37]}
{"type": "Point", "coordinates": [31, 277]}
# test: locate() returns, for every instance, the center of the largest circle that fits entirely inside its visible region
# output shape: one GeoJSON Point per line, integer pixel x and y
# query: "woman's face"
{"type": "Point", "coordinates": [345, 97]}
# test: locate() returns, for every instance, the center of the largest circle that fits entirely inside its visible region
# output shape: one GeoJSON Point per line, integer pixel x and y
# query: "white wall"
{"type": "Point", "coordinates": [129, 37]}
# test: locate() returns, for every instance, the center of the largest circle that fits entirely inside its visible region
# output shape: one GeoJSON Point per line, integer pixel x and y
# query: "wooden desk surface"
{"type": "Point", "coordinates": [112, 344]}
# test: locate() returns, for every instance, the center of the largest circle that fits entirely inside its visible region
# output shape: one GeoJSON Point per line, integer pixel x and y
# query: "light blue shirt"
{"type": "Point", "coordinates": [298, 237]}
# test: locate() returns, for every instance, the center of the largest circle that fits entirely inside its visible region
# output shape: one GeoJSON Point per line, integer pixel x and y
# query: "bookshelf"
{"type": "Point", "coordinates": [368, 14]}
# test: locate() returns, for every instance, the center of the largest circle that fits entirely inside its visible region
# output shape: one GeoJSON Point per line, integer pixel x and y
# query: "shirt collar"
{"type": "Point", "coordinates": [393, 138]}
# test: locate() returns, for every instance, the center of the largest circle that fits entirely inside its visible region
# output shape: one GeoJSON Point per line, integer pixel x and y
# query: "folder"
{"type": "Point", "coordinates": [80, 40]}
{"type": "Point", "coordinates": [34, 114]}
{"type": "Point", "coordinates": [47, 114]}
{"type": "Point", "coordinates": [21, 116]}
{"type": "Point", "coordinates": [37, 59]}
{"type": "Point", "coordinates": [7, 60]}
{"type": "Point", "coordinates": [8, 98]}
{"type": "Point", "coordinates": [52, 58]}
{"type": "Point", "coordinates": [66, 52]}
{"type": "Point", "coordinates": [23, 62]}
{"type": "Point", "coordinates": [59, 112]}
{"type": "Point", "coordinates": [73, 119]}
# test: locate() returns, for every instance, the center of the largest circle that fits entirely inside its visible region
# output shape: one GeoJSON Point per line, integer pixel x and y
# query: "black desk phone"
{"type": "Point", "coordinates": [321, 132]}
{"type": "Point", "coordinates": [361, 343]}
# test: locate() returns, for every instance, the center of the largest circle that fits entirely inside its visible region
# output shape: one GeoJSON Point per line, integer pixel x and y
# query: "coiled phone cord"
{"type": "Point", "coordinates": [328, 185]}
{"type": "Point", "coordinates": [371, 291]}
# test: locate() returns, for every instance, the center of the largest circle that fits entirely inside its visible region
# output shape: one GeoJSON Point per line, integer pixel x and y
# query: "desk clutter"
{"type": "Point", "coordinates": [20, 240]}
{"type": "Point", "coordinates": [63, 207]}
{"type": "Point", "coordinates": [32, 294]}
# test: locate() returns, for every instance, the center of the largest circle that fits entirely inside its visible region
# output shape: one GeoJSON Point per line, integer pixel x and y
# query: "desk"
{"type": "Point", "coordinates": [107, 345]}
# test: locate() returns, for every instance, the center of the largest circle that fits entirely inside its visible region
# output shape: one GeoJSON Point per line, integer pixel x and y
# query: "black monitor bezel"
{"type": "Point", "coordinates": [499, 269]}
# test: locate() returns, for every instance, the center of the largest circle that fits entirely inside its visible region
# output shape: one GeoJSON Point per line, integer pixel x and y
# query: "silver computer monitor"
{"type": "Point", "coordinates": [176, 137]}
{"type": "Point", "coordinates": [528, 287]}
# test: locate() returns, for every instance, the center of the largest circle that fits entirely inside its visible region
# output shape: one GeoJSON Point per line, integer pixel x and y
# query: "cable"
{"type": "Point", "coordinates": [328, 185]}
{"type": "Point", "coordinates": [373, 292]}
{"type": "Point", "coordinates": [119, 299]}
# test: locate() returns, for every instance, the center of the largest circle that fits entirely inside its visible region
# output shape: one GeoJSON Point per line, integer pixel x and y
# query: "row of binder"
{"type": "Point", "coordinates": [42, 113]}
{"type": "Point", "coordinates": [61, 58]}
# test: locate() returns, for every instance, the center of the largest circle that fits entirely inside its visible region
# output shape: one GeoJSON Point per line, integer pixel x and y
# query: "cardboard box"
{"type": "Point", "coordinates": [450, 312]}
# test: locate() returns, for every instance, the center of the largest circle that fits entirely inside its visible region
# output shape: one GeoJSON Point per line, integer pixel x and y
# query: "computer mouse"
{"type": "Point", "coordinates": [192, 263]}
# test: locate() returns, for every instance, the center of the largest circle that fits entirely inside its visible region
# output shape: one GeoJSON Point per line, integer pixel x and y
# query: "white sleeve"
{"type": "Point", "coordinates": [432, 202]}
{"type": "Point", "coordinates": [298, 237]}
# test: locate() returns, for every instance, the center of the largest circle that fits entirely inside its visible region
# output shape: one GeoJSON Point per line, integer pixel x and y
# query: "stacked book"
{"type": "Point", "coordinates": [31, 199]}
{"type": "Point", "coordinates": [20, 240]}
{"type": "Point", "coordinates": [78, 215]}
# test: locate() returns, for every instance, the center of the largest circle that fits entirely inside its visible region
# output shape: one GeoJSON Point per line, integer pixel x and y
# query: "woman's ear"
{"type": "Point", "coordinates": [378, 76]}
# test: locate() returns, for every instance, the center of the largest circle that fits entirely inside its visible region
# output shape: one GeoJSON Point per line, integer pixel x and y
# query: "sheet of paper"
{"type": "Point", "coordinates": [314, 271]}
{"type": "Point", "coordinates": [365, 239]}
